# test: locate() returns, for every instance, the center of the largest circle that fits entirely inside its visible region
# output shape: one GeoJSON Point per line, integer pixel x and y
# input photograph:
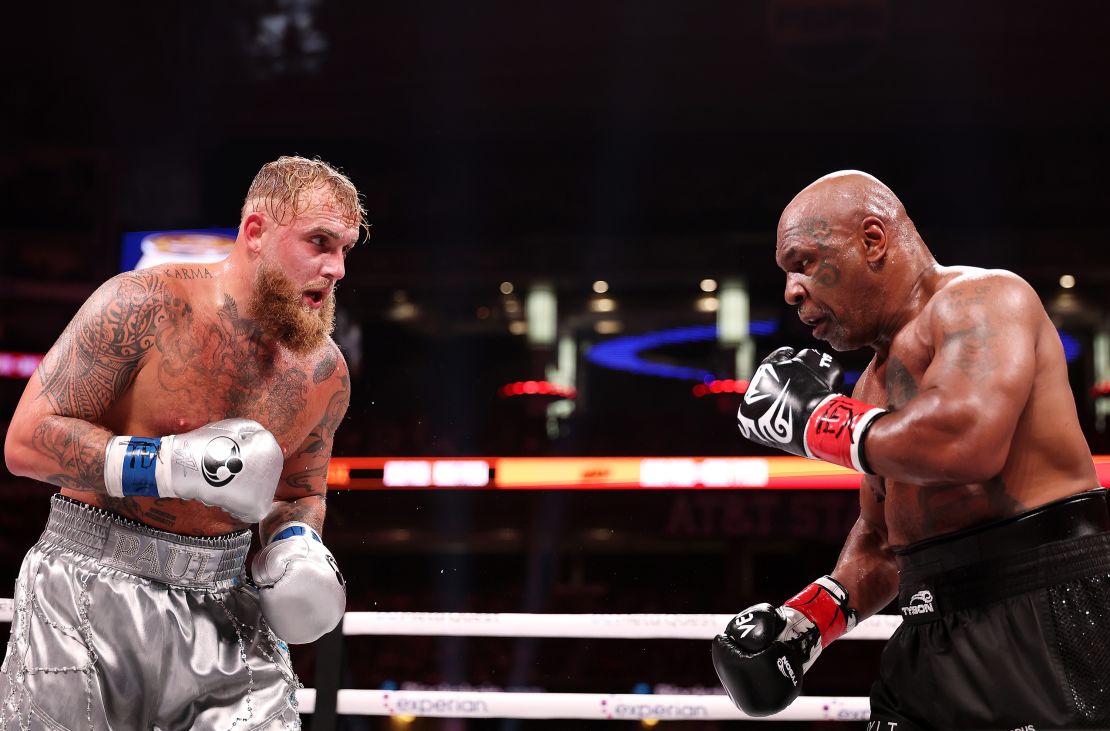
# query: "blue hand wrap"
{"type": "Point", "coordinates": [140, 462]}
{"type": "Point", "coordinates": [295, 530]}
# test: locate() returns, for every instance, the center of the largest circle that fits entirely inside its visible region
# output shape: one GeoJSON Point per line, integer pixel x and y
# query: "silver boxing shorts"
{"type": "Point", "coordinates": [120, 626]}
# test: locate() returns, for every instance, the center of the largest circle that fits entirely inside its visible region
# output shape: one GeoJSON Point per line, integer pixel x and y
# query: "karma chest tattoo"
{"type": "Point", "coordinates": [190, 273]}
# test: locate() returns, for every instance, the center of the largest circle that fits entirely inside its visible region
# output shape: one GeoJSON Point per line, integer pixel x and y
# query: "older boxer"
{"type": "Point", "coordinates": [979, 507]}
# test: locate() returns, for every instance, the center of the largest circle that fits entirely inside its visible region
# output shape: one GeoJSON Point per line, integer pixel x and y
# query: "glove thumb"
{"type": "Point", "coordinates": [825, 366]}
{"type": "Point", "coordinates": [780, 355]}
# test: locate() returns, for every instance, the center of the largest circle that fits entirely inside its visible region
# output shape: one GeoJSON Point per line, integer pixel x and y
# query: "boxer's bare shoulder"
{"type": "Point", "coordinates": [975, 319]}
{"type": "Point", "coordinates": [161, 352]}
{"type": "Point", "coordinates": [106, 343]}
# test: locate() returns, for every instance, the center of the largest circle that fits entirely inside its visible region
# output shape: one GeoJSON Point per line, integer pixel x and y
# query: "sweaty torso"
{"type": "Point", "coordinates": [1048, 456]}
{"type": "Point", "coordinates": [208, 362]}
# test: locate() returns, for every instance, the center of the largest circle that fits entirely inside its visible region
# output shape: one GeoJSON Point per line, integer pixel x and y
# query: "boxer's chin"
{"type": "Point", "coordinates": [278, 307]}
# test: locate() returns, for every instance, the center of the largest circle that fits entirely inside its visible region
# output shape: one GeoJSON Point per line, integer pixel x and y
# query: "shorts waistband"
{"type": "Point", "coordinates": [194, 562]}
{"type": "Point", "coordinates": [1083, 514]}
{"type": "Point", "coordinates": [1056, 543]}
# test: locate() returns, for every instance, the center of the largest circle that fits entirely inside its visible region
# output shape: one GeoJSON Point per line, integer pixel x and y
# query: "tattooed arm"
{"type": "Point", "coordinates": [302, 490]}
{"type": "Point", "coordinates": [959, 426]}
{"type": "Point", "coordinates": [54, 436]}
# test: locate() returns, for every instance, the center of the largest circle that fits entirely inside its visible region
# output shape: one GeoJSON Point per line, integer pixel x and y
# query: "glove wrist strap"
{"type": "Point", "coordinates": [835, 431]}
{"type": "Point", "coordinates": [134, 467]}
{"type": "Point", "coordinates": [825, 603]}
{"type": "Point", "coordinates": [291, 529]}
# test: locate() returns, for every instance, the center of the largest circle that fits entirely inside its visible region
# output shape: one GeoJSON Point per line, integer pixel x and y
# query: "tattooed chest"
{"type": "Point", "coordinates": [890, 385]}
{"type": "Point", "coordinates": [196, 383]}
{"type": "Point", "coordinates": [897, 380]}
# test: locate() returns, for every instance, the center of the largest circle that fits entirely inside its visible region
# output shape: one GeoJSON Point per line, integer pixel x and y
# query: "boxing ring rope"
{"type": "Point", "coordinates": [571, 626]}
{"type": "Point", "coordinates": [588, 706]}
{"type": "Point", "coordinates": [585, 706]}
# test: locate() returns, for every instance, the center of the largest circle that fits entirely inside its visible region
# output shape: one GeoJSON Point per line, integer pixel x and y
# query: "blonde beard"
{"type": "Point", "coordinates": [275, 303]}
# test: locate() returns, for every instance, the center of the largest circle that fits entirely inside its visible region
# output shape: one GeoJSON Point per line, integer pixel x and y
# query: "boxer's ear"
{"type": "Point", "coordinates": [874, 240]}
{"type": "Point", "coordinates": [252, 228]}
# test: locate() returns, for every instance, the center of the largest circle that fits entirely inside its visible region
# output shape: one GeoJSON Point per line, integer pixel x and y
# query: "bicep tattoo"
{"type": "Point", "coordinates": [968, 341]}
{"type": "Point", "coordinates": [97, 356]}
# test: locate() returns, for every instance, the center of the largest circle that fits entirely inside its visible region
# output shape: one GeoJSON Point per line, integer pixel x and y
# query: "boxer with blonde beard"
{"type": "Point", "coordinates": [182, 405]}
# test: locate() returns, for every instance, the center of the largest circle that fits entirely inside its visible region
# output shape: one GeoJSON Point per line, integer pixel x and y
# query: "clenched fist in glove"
{"type": "Point", "coordinates": [792, 404]}
{"type": "Point", "coordinates": [764, 651]}
{"type": "Point", "coordinates": [303, 594]}
{"type": "Point", "coordinates": [232, 464]}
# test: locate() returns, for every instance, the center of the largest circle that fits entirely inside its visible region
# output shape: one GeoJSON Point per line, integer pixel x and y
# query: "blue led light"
{"type": "Point", "coordinates": [763, 327]}
{"type": "Point", "coordinates": [1072, 348]}
{"type": "Point", "coordinates": [623, 354]}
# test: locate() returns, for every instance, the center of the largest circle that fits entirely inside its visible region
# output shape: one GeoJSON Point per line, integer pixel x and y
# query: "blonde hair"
{"type": "Point", "coordinates": [283, 189]}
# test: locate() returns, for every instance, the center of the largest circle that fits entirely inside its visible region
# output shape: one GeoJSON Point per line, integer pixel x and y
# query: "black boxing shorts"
{"type": "Point", "coordinates": [1005, 626]}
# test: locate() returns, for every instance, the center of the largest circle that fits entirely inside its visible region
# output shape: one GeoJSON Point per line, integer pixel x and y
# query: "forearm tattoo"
{"type": "Point", "coordinates": [309, 510]}
{"type": "Point", "coordinates": [77, 448]}
{"type": "Point", "coordinates": [94, 361]}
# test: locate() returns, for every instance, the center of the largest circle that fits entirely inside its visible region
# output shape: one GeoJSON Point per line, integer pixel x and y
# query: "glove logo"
{"type": "Point", "coordinates": [776, 425]}
{"type": "Point", "coordinates": [786, 670]}
{"type": "Point", "coordinates": [221, 461]}
{"type": "Point", "coordinates": [837, 415]}
{"type": "Point", "coordinates": [184, 460]}
{"type": "Point", "coordinates": [335, 568]}
{"type": "Point", "coordinates": [745, 624]}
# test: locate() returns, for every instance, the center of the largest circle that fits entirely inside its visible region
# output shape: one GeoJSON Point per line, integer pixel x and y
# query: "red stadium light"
{"type": "Point", "coordinates": [18, 365]}
{"type": "Point", "coordinates": [726, 385]}
{"type": "Point", "coordinates": [536, 388]}
{"type": "Point", "coordinates": [1100, 389]}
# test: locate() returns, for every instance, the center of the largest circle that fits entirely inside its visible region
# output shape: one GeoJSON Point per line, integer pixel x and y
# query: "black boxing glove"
{"type": "Point", "coordinates": [792, 403]}
{"type": "Point", "coordinates": [764, 652]}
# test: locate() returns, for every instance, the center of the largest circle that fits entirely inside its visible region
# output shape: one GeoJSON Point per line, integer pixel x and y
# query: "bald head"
{"type": "Point", "coordinates": [845, 198]}
{"type": "Point", "coordinates": [845, 244]}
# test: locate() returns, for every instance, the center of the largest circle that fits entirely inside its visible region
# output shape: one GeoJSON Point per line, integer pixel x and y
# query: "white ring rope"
{"type": "Point", "coordinates": [595, 706]}
{"type": "Point", "coordinates": [599, 626]}
{"type": "Point", "coordinates": [608, 626]}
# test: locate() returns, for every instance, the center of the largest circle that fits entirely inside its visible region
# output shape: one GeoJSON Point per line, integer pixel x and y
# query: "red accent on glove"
{"type": "Point", "coordinates": [832, 431]}
{"type": "Point", "coordinates": [822, 608]}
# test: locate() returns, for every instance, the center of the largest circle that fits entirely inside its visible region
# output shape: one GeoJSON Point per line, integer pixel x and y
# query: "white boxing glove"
{"type": "Point", "coordinates": [303, 594]}
{"type": "Point", "coordinates": [232, 464]}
